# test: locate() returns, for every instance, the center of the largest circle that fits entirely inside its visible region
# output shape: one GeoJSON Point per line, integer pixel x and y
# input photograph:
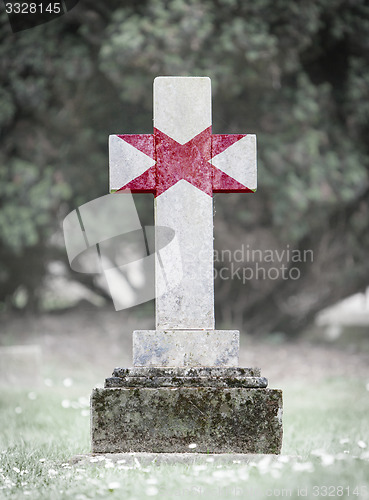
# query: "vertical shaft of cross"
{"type": "Point", "coordinates": [182, 110]}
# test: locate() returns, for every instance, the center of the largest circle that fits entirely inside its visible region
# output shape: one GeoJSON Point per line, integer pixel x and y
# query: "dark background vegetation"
{"type": "Point", "coordinates": [294, 73]}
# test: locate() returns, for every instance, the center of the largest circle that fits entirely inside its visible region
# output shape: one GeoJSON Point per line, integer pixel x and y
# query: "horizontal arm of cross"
{"type": "Point", "coordinates": [151, 163]}
{"type": "Point", "coordinates": [234, 163]}
{"type": "Point", "coordinates": [132, 163]}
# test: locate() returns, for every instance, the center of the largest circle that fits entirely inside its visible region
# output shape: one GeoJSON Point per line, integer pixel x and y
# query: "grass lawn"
{"type": "Point", "coordinates": [325, 451]}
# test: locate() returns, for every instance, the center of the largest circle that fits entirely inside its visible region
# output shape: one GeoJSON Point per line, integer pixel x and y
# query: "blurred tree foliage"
{"type": "Point", "coordinates": [294, 73]}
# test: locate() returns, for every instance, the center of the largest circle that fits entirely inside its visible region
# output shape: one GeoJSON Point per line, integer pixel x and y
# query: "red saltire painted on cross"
{"type": "Point", "coordinates": [189, 161]}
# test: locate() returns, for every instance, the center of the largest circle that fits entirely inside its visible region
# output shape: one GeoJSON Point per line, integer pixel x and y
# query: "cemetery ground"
{"type": "Point", "coordinates": [42, 427]}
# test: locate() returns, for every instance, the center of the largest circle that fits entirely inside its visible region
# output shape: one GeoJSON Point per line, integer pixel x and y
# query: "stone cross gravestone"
{"type": "Point", "coordinates": [185, 386]}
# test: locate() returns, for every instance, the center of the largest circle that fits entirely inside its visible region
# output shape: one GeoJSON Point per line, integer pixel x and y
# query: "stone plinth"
{"type": "Point", "coordinates": [185, 347]}
{"type": "Point", "coordinates": [221, 410]}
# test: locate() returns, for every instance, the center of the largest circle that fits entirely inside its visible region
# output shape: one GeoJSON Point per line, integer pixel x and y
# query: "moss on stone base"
{"type": "Point", "coordinates": [218, 420]}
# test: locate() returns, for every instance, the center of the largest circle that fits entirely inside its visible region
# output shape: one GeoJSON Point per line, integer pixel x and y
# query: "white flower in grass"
{"type": "Point", "coordinates": [327, 460]}
{"type": "Point", "coordinates": [67, 382]}
{"type": "Point", "coordinates": [18, 410]}
{"type": "Point", "coordinates": [361, 444]}
{"type": "Point", "coordinates": [192, 446]}
{"type": "Point", "coordinates": [152, 491]}
{"type": "Point", "coordinates": [199, 467]}
{"type": "Point", "coordinates": [341, 456]}
{"type": "Point", "coordinates": [318, 453]}
{"type": "Point", "coordinates": [303, 467]}
{"type": "Point", "coordinates": [42, 460]}
{"type": "Point", "coordinates": [26, 492]}
{"type": "Point", "coordinates": [122, 461]}
{"type": "Point", "coordinates": [277, 465]}
{"type": "Point", "coordinates": [275, 473]}
{"type": "Point", "coordinates": [84, 402]}
{"type": "Point", "coordinates": [210, 459]}
{"type": "Point", "coordinates": [8, 482]}
{"type": "Point", "coordinates": [229, 474]}
{"type": "Point", "coordinates": [85, 413]}
{"type": "Point", "coordinates": [243, 474]}
{"type": "Point", "coordinates": [65, 403]}
{"type": "Point", "coordinates": [114, 485]}
{"type": "Point", "coordinates": [94, 459]}
{"type": "Point", "coordinates": [264, 464]}
{"type": "Point", "coordinates": [109, 465]}
{"type": "Point", "coordinates": [218, 473]}
{"type": "Point", "coordinates": [52, 472]}
{"type": "Point", "coordinates": [32, 396]}
{"type": "Point", "coordinates": [15, 469]}
{"type": "Point", "coordinates": [152, 480]}
{"type": "Point", "coordinates": [344, 440]}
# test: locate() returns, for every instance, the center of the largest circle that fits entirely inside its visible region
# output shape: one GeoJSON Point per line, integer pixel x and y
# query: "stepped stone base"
{"type": "Point", "coordinates": [161, 410]}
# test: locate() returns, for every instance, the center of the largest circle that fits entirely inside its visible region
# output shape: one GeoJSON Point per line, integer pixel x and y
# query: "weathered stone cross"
{"type": "Point", "coordinates": [185, 391]}
{"type": "Point", "coordinates": [183, 164]}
